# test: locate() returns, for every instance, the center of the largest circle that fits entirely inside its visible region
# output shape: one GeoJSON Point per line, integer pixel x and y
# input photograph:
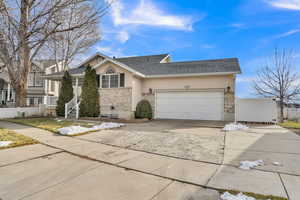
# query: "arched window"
{"type": "Point", "coordinates": [110, 70]}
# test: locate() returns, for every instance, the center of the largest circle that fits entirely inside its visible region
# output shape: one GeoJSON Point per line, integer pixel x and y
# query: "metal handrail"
{"type": "Point", "coordinates": [71, 105]}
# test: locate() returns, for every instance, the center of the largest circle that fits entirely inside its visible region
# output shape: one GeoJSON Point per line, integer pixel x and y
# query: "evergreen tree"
{"type": "Point", "coordinates": [65, 94]}
{"type": "Point", "coordinates": [89, 106]}
{"type": "Point", "coordinates": [144, 110]}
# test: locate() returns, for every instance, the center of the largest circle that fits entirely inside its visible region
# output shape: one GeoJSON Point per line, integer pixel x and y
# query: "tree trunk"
{"type": "Point", "coordinates": [281, 115]}
{"type": "Point", "coordinates": [21, 93]}
{"type": "Point", "coordinates": [24, 56]}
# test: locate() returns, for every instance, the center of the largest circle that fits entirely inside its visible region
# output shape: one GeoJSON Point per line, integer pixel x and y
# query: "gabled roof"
{"type": "Point", "coordinates": [229, 65]}
{"type": "Point", "coordinates": [152, 66]}
{"type": "Point", "coordinates": [136, 60]}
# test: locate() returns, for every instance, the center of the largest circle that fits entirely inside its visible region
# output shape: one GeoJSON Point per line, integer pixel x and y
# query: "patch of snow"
{"type": "Point", "coordinates": [73, 130]}
{"type": "Point", "coordinates": [5, 143]}
{"type": "Point", "coordinates": [240, 196]}
{"type": "Point", "coordinates": [276, 163]}
{"type": "Point", "coordinates": [107, 125]}
{"type": "Point", "coordinates": [250, 164]}
{"type": "Point", "coordinates": [235, 127]}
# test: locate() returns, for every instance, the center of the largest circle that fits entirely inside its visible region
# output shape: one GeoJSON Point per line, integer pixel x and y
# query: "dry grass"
{"type": "Point", "coordinates": [290, 124]}
{"type": "Point", "coordinates": [17, 139]}
{"type": "Point", "coordinates": [49, 124]}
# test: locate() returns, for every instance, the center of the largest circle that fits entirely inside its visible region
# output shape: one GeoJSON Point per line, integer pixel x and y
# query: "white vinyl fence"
{"type": "Point", "coordinates": [292, 113]}
{"type": "Point", "coordinates": [17, 112]}
{"type": "Point", "coordinates": [256, 110]}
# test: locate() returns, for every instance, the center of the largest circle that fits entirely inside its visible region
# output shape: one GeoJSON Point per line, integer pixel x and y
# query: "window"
{"type": "Point", "coordinates": [112, 80]}
{"type": "Point", "coordinates": [105, 81]}
{"type": "Point", "coordinates": [31, 79]}
{"type": "Point", "coordinates": [52, 86]}
{"type": "Point", "coordinates": [122, 80]}
{"type": "Point", "coordinates": [35, 79]}
{"type": "Point", "coordinates": [31, 101]}
{"type": "Point", "coordinates": [38, 79]}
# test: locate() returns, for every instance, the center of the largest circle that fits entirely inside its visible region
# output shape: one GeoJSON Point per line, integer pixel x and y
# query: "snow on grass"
{"type": "Point", "coordinates": [276, 163]}
{"type": "Point", "coordinates": [240, 196]}
{"type": "Point", "coordinates": [74, 130]}
{"type": "Point", "coordinates": [235, 127]}
{"type": "Point", "coordinates": [250, 164]}
{"type": "Point", "coordinates": [5, 143]}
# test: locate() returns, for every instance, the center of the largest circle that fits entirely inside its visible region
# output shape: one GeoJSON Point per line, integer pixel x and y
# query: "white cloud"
{"type": "Point", "coordinates": [110, 51]}
{"type": "Point", "coordinates": [207, 46]}
{"type": "Point", "coordinates": [123, 36]}
{"type": "Point", "coordinates": [285, 4]}
{"type": "Point", "coordinates": [245, 79]}
{"type": "Point", "coordinates": [288, 33]}
{"type": "Point", "coordinates": [147, 13]}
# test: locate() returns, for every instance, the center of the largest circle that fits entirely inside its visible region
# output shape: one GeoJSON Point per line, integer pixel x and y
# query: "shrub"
{"type": "Point", "coordinates": [143, 110]}
{"type": "Point", "coordinates": [89, 106]}
{"type": "Point", "coordinates": [65, 94]}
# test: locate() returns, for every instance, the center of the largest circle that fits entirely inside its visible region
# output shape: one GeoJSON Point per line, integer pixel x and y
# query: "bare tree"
{"type": "Point", "coordinates": [26, 26]}
{"type": "Point", "coordinates": [278, 79]}
{"type": "Point", "coordinates": [64, 47]}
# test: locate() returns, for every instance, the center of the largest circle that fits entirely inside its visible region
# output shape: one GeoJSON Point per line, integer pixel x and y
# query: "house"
{"type": "Point", "coordinates": [36, 90]}
{"type": "Point", "coordinates": [198, 90]}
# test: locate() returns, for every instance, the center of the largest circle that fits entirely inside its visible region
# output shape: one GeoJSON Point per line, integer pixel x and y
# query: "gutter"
{"type": "Point", "coordinates": [191, 74]}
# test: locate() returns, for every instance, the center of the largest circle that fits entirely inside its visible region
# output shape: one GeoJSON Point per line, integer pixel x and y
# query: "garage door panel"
{"type": "Point", "coordinates": [190, 105]}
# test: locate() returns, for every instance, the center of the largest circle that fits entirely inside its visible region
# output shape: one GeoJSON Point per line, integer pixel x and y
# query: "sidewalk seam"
{"type": "Point", "coordinates": [284, 187]}
{"type": "Point", "coordinates": [164, 188]}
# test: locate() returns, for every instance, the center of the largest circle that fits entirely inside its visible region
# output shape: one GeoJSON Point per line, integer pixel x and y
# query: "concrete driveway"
{"type": "Point", "coordinates": [192, 140]}
{"type": "Point", "coordinates": [156, 160]}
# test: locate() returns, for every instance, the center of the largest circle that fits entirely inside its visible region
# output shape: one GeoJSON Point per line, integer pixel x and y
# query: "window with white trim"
{"type": "Point", "coordinates": [112, 79]}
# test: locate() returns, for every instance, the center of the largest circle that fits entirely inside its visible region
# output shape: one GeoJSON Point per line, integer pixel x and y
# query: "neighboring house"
{"type": "Point", "coordinates": [35, 84]}
{"type": "Point", "coordinates": [199, 90]}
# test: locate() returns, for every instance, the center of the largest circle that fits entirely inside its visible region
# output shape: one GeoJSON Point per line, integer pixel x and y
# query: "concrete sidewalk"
{"type": "Point", "coordinates": [165, 169]}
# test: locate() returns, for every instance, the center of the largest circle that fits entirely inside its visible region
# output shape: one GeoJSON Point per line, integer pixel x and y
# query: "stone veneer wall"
{"type": "Point", "coordinates": [229, 106]}
{"type": "Point", "coordinates": [120, 99]}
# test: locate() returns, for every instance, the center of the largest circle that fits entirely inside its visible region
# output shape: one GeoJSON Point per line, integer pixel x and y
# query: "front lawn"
{"type": "Point", "coordinates": [15, 138]}
{"type": "Point", "coordinates": [290, 124]}
{"type": "Point", "coordinates": [50, 124]}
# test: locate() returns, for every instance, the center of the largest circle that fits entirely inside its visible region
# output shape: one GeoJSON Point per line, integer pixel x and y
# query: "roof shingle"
{"type": "Point", "coordinates": [151, 66]}
{"type": "Point", "coordinates": [189, 67]}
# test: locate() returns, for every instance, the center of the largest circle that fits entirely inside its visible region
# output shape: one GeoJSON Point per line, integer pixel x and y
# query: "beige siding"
{"type": "Point", "coordinates": [50, 70]}
{"type": "Point", "coordinates": [201, 82]}
{"type": "Point", "coordinates": [128, 75]}
{"type": "Point", "coordinates": [136, 92]}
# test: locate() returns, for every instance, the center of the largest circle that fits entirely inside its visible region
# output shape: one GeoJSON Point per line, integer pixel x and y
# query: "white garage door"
{"type": "Point", "coordinates": [189, 105]}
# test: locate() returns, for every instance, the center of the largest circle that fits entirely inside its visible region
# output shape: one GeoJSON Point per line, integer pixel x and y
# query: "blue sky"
{"type": "Point", "coordinates": [203, 29]}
